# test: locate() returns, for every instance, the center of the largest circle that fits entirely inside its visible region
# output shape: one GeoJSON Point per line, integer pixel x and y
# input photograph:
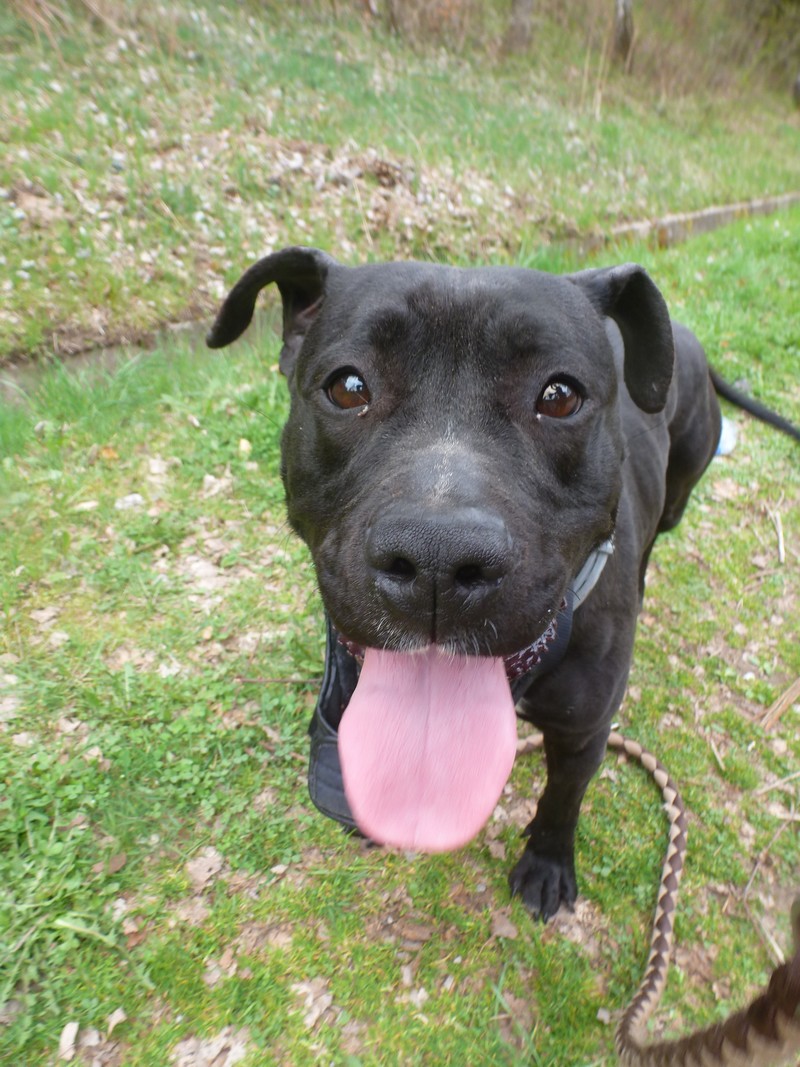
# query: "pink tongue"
{"type": "Point", "coordinates": [426, 745]}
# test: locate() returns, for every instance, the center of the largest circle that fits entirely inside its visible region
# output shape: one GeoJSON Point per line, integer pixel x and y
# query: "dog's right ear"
{"type": "Point", "coordinates": [300, 274]}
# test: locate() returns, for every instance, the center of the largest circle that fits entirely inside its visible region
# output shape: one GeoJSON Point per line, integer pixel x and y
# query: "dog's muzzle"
{"type": "Point", "coordinates": [342, 666]}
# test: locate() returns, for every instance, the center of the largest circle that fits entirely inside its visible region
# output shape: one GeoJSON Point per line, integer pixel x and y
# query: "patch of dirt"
{"type": "Point", "coordinates": [255, 938]}
{"type": "Point", "coordinates": [316, 1001]}
{"type": "Point", "coordinates": [205, 868]}
{"type": "Point", "coordinates": [128, 655]}
{"type": "Point", "coordinates": [476, 900]}
{"type": "Point", "coordinates": [584, 925]}
{"type": "Point", "coordinates": [516, 1021]}
{"type": "Point", "coordinates": [696, 962]}
{"type": "Point", "coordinates": [774, 905]}
{"type": "Point", "coordinates": [225, 1049]}
{"type": "Point", "coordinates": [353, 1038]}
{"type": "Point", "coordinates": [92, 1047]}
{"type": "Point", "coordinates": [193, 911]}
{"type": "Point", "coordinates": [10, 701]}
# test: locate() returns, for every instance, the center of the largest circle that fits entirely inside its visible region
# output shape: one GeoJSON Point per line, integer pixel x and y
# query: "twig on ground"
{"type": "Point", "coordinates": [756, 580]}
{"type": "Point", "coordinates": [775, 515]}
{"type": "Point", "coordinates": [764, 853]}
{"type": "Point", "coordinates": [771, 945]}
{"type": "Point", "coordinates": [717, 754]}
{"type": "Point", "coordinates": [781, 705]}
{"type": "Point", "coordinates": [775, 785]}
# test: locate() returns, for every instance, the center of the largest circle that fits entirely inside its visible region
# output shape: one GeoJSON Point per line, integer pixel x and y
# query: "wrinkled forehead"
{"type": "Point", "coordinates": [415, 305]}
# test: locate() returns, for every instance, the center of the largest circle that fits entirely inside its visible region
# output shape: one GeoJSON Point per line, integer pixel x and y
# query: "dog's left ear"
{"type": "Point", "coordinates": [300, 274]}
{"type": "Point", "coordinates": [628, 295]}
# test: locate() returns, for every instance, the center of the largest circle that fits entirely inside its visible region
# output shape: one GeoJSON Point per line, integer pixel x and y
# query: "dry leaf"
{"type": "Point", "coordinates": [279, 936]}
{"type": "Point", "coordinates": [66, 1043]}
{"type": "Point", "coordinates": [115, 1018]}
{"type": "Point", "coordinates": [157, 467]}
{"type": "Point", "coordinates": [214, 486]}
{"type": "Point", "coordinates": [192, 911]}
{"type": "Point", "coordinates": [9, 706]}
{"type": "Point", "coordinates": [95, 754]}
{"type": "Point", "coordinates": [520, 1010]}
{"type": "Point", "coordinates": [419, 997]}
{"type": "Point", "coordinates": [502, 926]}
{"type": "Point", "coordinates": [213, 974]}
{"type": "Point", "coordinates": [497, 850]}
{"type": "Point", "coordinates": [224, 1050]}
{"type": "Point", "coordinates": [134, 938]}
{"type": "Point", "coordinates": [90, 1039]}
{"type": "Point", "coordinates": [129, 502]}
{"type": "Point", "coordinates": [9, 1011]}
{"type": "Point", "coordinates": [726, 489]}
{"type": "Point", "coordinates": [413, 931]}
{"type": "Point", "coordinates": [203, 868]}
{"type": "Point", "coordinates": [316, 999]}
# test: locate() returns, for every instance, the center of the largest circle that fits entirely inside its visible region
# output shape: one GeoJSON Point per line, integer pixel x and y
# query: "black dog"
{"type": "Point", "coordinates": [479, 461]}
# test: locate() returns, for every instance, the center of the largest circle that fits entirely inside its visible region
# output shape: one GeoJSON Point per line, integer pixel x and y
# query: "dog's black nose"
{"type": "Point", "coordinates": [438, 568]}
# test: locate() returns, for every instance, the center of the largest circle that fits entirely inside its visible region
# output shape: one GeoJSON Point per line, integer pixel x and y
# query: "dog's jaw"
{"type": "Point", "coordinates": [516, 664]}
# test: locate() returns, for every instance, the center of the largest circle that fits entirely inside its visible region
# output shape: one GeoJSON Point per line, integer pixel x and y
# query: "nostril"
{"type": "Point", "coordinates": [469, 575]}
{"type": "Point", "coordinates": [401, 568]}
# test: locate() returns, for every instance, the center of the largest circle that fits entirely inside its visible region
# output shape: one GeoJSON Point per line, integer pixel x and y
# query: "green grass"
{"type": "Point", "coordinates": [142, 168]}
{"type": "Point", "coordinates": [158, 665]}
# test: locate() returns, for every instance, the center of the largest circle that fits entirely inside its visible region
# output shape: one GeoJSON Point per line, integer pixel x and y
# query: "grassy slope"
{"type": "Point", "coordinates": [158, 668]}
{"type": "Point", "coordinates": [142, 167]}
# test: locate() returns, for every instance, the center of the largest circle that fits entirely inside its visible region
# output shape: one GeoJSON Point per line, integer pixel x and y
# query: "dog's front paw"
{"type": "Point", "coordinates": [543, 883]}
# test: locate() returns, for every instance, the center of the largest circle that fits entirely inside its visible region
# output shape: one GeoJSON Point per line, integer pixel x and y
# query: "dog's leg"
{"type": "Point", "coordinates": [545, 875]}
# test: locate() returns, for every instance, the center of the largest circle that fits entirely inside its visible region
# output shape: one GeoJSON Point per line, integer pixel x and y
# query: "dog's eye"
{"type": "Point", "coordinates": [348, 390]}
{"type": "Point", "coordinates": [558, 399]}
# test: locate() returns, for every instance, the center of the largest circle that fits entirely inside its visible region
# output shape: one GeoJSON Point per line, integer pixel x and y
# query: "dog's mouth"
{"type": "Point", "coordinates": [428, 740]}
{"type": "Point", "coordinates": [516, 663]}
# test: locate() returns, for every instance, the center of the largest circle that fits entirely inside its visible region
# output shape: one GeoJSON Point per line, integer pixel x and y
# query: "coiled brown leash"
{"type": "Point", "coordinates": [764, 1034]}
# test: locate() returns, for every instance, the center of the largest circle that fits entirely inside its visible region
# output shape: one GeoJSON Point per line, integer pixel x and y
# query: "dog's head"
{"type": "Point", "coordinates": [452, 456]}
{"type": "Point", "coordinates": [453, 451]}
